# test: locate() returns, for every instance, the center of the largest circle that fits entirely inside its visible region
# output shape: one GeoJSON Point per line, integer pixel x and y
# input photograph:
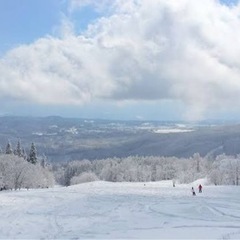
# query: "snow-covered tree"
{"type": "Point", "coordinates": [59, 173]}
{"type": "Point", "coordinates": [215, 176]}
{"type": "Point", "coordinates": [32, 158]}
{"type": "Point", "coordinates": [75, 168]}
{"type": "Point", "coordinates": [84, 177]}
{"type": "Point", "coordinates": [18, 151]}
{"type": "Point", "coordinates": [43, 161]}
{"type": "Point", "coordinates": [222, 170]}
{"type": "Point", "coordinates": [9, 148]}
{"type": "Point", "coordinates": [17, 173]}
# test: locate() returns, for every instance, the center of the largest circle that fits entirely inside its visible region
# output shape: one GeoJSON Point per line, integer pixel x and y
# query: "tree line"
{"type": "Point", "coordinates": [219, 171]}
{"type": "Point", "coordinates": [20, 152]}
{"type": "Point", "coordinates": [21, 170]}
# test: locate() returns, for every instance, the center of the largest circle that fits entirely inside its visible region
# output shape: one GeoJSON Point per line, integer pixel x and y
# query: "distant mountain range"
{"type": "Point", "coordinates": [66, 139]}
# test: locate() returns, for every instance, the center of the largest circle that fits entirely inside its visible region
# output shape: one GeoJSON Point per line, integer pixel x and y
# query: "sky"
{"type": "Point", "coordinates": [120, 59]}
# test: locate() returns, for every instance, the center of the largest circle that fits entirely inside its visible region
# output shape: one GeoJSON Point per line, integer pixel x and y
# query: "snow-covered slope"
{"type": "Point", "coordinates": [121, 210]}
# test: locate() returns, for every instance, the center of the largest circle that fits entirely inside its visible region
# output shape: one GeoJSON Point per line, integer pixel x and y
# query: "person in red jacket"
{"type": "Point", "coordinates": [200, 188]}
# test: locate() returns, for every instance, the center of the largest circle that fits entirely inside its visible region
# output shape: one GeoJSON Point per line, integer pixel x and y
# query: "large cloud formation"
{"type": "Point", "coordinates": [186, 50]}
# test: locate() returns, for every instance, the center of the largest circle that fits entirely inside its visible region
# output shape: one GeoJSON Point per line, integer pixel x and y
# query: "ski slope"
{"type": "Point", "coordinates": [121, 210]}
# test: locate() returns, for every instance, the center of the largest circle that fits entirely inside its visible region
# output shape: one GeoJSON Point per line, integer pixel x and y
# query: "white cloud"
{"type": "Point", "coordinates": [99, 6]}
{"type": "Point", "coordinates": [145, 50]}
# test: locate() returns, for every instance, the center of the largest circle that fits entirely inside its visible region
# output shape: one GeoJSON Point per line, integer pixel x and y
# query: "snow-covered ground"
{"type": "Point", "coordinates": [121, 211]}
{"type": "Point", "coordinates": [172, 130]}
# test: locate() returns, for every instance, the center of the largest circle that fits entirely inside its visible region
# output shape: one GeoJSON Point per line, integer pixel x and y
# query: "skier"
{"type": "Point", "coordinates": [200, 188]}
{"type": "Point", "coordinates": [193, 192]}
{"type": "Point", "coordinates": [174, 183]}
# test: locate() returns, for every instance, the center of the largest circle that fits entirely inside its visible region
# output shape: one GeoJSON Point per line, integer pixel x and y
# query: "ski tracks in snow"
{"type": "Point", "coordinates": [120, 210]}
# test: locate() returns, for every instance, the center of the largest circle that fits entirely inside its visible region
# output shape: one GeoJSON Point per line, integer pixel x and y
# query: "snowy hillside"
{"type": "Point", "coordinates": [121, 210]}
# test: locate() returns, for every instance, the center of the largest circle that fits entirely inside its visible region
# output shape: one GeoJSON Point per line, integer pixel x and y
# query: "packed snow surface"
{"type": "Point", "coordinates": [121, 211]}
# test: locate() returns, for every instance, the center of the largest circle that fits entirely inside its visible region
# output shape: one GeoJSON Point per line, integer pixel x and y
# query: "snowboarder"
{"type": "Point", "coordinates": [200, 188]}
{"type": "Point", "coordinates": [193, 192]}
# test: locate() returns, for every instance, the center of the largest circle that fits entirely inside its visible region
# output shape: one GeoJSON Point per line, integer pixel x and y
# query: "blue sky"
{"type": "Point", "coordinates": [74, 58]}
{"type": "Point", "coordinates": [25, 21]}
{"type": "Point", "coordinates": [22, 22]}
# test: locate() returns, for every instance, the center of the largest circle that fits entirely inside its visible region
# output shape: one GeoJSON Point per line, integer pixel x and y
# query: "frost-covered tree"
{"type": "Point", "coordinates": [38, 177]}
{"type": "Point", "coordinates": [9, 148]}
{"type": "Point", "coordinates": [197, 160]}
{"type": "Point", "coordinates": [221, 170]}
{"type": "Point", "coordinates": [110, 171]}
{"type": "Point", "coordinates": [32, 158]}
{"type": "Point", "coordinates": [43, 161]}
{"type": "Point", "coordinates": [58, 170]}
{"type": "Point", "coordinates": [18, 151]}
{"type": "Point", "coordinates": [84, 177]}
{"type": "Point", "coordinates": [75, 168]}
{"type": "Point", "coordinates": [24, 154]}
{"type": "Point", "coordinates": [215, 176]}
{"type": "Point", "coordinates": [17, 173]}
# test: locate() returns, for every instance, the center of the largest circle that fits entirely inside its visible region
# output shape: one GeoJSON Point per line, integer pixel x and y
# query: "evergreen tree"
{"type": "Point", "coordinates": [18, 151]}
{"type": "Point", "coordinates": [44, 161]}
{"type": "Point", "coordinates": [9, 148]}
{"type": "Point", "coordinates": [32, 158]}
{"type": "Point", "coordinates": [24, 154]}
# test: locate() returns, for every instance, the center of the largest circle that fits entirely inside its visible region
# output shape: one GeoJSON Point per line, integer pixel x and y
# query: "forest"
{"type": "Point", "coordinates": [21, 170]}
{"type": "Point", "coordinates": [222, 170]}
